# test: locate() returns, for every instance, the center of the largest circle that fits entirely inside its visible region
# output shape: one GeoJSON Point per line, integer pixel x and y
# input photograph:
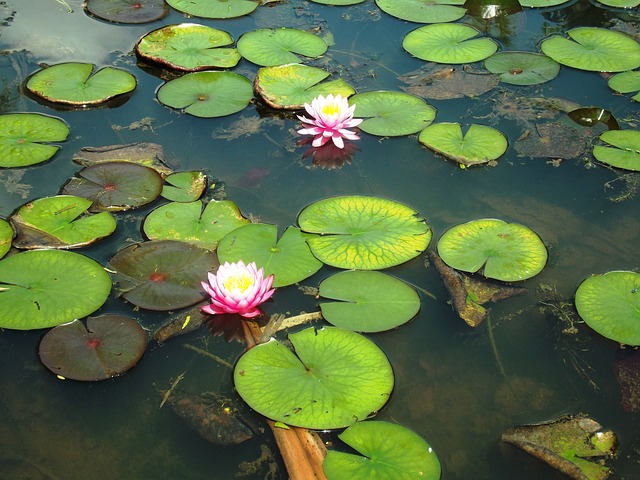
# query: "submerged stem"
{"type": "Point", "coordinates": [496, 355]}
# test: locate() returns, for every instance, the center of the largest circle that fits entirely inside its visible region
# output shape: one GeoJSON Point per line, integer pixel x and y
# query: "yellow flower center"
{"type": "Point", "coordinates": [331, 108]}
{"type": "Point", "coordinates": [238, 283]}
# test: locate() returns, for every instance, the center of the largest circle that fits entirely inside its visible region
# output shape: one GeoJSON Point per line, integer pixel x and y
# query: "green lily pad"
{"type": "Point", "coordinates": [6, 236]}
{"type": "Point", "coordinates": [207, 94]}
{"type": "Point", "coordinates": [522, 68]}
{"type": "Point", "coordinates": [624, 151]}
{"type": "Point", "coordinates": [78, 84]}
{"type": "Point", "coordinates": [162, 275]}
{"type": "Point", "coordinates": [215, 8]}
{"type": "Point", "coordinates": [620, 3]}
{"type": "Point", "coordinates": [127, 11]}
{"type": "Point", "coordinates": [392, 113]}
{"type": "Point", "coordinates": [424, 11]}
{"type": "Point", "coordinates": [278, 46]}
{"type": "Point", "coordinates": [107, 347]}
{"type": "Point", "coordinates": [390, 451]}
{"type": "Point", "coordinates": [339, 3]}
{"type": "Point", "coordinates": [44, 288]}
{"type": "Point", "coordinates": [367, 301]}
{"type": "Point", "coordinates": [60, 222]}
{"type": "Point", "coordinates": [610, 304]}
{"type": "Point", "coordinates": [335, 378]}
{"type": "Point", "coordinates": [188, 47]}
{"type": "Point", "coordinates": [626, 82]}
{"type": "Point", "coordinates": [542, 3]}
{"type": "Point", "coordinates": [594, 49]}
{"type": "Point", "coordinates": [115, 186]}
{"type": "Point", "coordinates": [187, 222]}
{"type": "Point", "coordinates": [22, 137]}
{"type": "Point", "coordinates": [366, 233]}
{"type": "Point", "coordinates": [451, 43]}
{"type": "Point", "coordinates": [184, 186]}
{"type": "Point", "coordinates": [480, 144]}
{"type": "Point", "coordinates": [508, 251]}
{"type": "Point", "coordinates": [288, 259]}
{"type": "Point", "coordinates": [291, 86]}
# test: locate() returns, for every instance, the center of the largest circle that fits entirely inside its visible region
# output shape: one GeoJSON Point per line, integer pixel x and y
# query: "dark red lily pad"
{"type": "Point", "coordinates": [127, 11]}
{"type": "Point", "coordinates": [626, 367]}
{"type": "Point", "coordinates": [109, 346]}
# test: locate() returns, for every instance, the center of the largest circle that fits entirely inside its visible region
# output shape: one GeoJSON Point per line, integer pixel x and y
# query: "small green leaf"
{"type": "Point", "coordinates": [215, 8]}
{"type": "Point", "coordinates": [279, 46]}
{"type": "Point", "coordinates": [624, 151]}
{"type": "Point", "coordinates": [184, 186]}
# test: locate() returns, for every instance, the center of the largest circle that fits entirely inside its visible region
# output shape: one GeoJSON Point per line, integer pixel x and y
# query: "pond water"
{"type": "Point", "coordinates": [458, 387]}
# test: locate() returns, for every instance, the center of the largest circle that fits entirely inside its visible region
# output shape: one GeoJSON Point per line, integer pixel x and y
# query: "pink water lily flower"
{"type": "Point", "coordinates": [237, 288]}
{"type": "Point", "coordinates": [330, 119]}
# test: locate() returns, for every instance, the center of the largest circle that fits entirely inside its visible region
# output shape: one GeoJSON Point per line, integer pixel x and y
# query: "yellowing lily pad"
{"type": "Point", "coordinates": [215, 8]}
{"type": "Point", "coordinates": [624, 151]}
{"type": "Point", "coordinates": [184, 186]}
{"type": "Point", "coordinates": [6, 236]}
{"type": "Point", "coordinates": [626, 82]}
{"type": "Point", "coordinates": [522, 68]}
{"type": "Point", "coordinates": [279, 46]}
{"type": "Point", "coordinates": [424, 11]}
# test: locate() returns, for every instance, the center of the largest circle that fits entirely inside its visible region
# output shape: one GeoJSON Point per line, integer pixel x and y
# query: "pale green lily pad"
{"type": "Point", "coordinates": [6, 236]}
{"type": "Point", "coordinates": [288, 259]}
{"type": "Point", "coordinates": [542, 3]}
{"type": "Point", "coordinates": [60, 222]}
{"type": "Point", "coordinates": [624, 151]}
{"type": "Point", "coordinates": [214, 8]}
{"type": "Point", "coordinates": [480, 144]}
{"type": "Point", "coordinates": [508, 251]}
{"type": "Point", "coordinates": [366, 233]}
{"type": "Point", "coordinates": [207, 94]}
{"type": "Point", "coordinates": [626, 82]}
{"type": "Point", "coordinates": [23, 137]}
{"type": "Point", "coordinates": [338, 3]}
{"type": "Point", "coordinates": [278, 46]}
{"type": "Point", "coordinates": [79, 84]}
{"type": "Point", "coordinates": [620, 3]}
{"type": "Point", "coordinates": [392, 113]}
{"type": "Point", "coordinates": [184, 186]}
{"type": "Point", "coordinates": [450, 43]}
{"type": "Point", "coordinates": [522, 68]}
{"type": "Point", "coordinates": [188, 47]}
{"type": "Point", "coordinates": [187, 222]}
{"type": "Point", "coordinates": [44, 288]}
{"type": "Point", "coordinates": [610, 304]}
{"type": "Point", "coordinates": [424, 11]}
{"type": "Point", "coordinates": [367, 301]}
{"type": "Point", "coordinates": [291, 86]}
{"type": "Point", "coordinates": [335, 378]}
{"type": "Point", "coordinates": [594, 49]}
{"type": "Point", "coordinates": [390, 452]}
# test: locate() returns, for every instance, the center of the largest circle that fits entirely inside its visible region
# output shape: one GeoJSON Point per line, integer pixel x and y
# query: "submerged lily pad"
{"type": "Point", "coordinates": [626, 82]}
{"type": "Point", "coordinates": [184, 186]}
{"type": "Point", "coordinates": [443, 82]}
{"type": "Point", "coordinates": [366, 233]}
{"type": "Point", "coordinates": [522, 68]}
{"type": "Point", "coordinates": [141, 153]}
{"type": "Point", "coordinates": [424, 11]}
{"type": "Point", "coordinates": [108, 346]}
{"type": "Point", "coordinates": [6, 236]}
{"type": "Point", "coordinates": [215, 8]}
{"type": "Point", "coordinates": [127, 11]}
{"type": "Point", "coordinates": [590, 116]}
{"type": "Point", "coordinates": [44, 288]}
{"type": "Point", "coordinates": [624, 151]}
{"type": "Point", "coordinates": [335, 378]}
{"type": "Point", "coordinates": [278, 46]}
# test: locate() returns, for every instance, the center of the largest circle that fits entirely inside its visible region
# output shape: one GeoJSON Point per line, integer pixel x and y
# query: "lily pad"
{"type": "Point", "coordinates": [594, 49]}
{"type": "Point", "coordinates": [340, 3]}
{"type": "Point", "coordinates": [624, 151]}
{"type": "Point", "coordinates": [452, 43]}
{"type": "Point", "coordinates": [60, 222]}
{"type": "Point", "coordinates": [424, 11]}
{"type": "Point", "coordinates": [335, 378]}
{"type": "Point", "coordinates": [184, 186]}
{"type": "Point", "coordinates": [291, 86]}
{"type": "Point", "coordinates": [610, 304]}
{"type": "Point", "coordinates": [207, 94]}
{"type": "Point", "coordinates": [44, 288]}
{"type": "Point", "coordinates": [390, 451]}
{"type": "Point", "coordinates": [278, 46]}
{"type": "Point", "coordinates": [187, 222]}
{"type": "Point", "coordinates": [507, 251]}
{"type": "Point", "coordinates": [141, 153]}
{"type": "Point", "coordinates": [127, 11]}
{"type": "Point", "coordinates": [367, 301]}
{"type": "Point", "coordinates": [480, 144]}
{"type": "Point", "coordinates": [6, 236]}
{"type": "Point", "coordinates": [590, 116]}
{"type": "Point", "coordinates": [108, 346]}
{"type": "Point", "coordinates": [23, 137]}
{"type": "Point", "coordinates": [188, 47]}
{"type": "Point", "coordinates": [483, 10]}
{"type": "Point", "coordinates": [162, 275]}
{"type": "Point", "coordinates": [522, 68]}
{"type": "Point", "coordinates": [392, 113]}
{"type": "Point", "coordinates": [626, 82]}
{"type": "Point", "coordinates": [443, 82]}
{"type": "Point", "coordinates": [215, 8]}
{"type": "Point", "coordinates": [288, 259]}
{"type": "Point", "coordinates": [78, 84]}
{"type": "Point", "coordinates": [116, 186]}
{"type": "Point", "coordinates": [542, 3]}
{"type": "Point", "coordinates": [366, 233]}
{"type": "Point", "coordinates": [620, 3]}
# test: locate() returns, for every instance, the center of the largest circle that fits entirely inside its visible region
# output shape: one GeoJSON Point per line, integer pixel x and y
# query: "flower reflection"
{"type": "Point", "coordinates": [329, 156]}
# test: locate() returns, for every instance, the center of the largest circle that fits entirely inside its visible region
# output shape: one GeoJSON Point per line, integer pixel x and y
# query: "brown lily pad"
{"type": "Point", "coordinates": [442, 82]}
{"type": "Point", "coordinates": [145, 154]}
{"type": "Point", "coordinates": [626, 366]}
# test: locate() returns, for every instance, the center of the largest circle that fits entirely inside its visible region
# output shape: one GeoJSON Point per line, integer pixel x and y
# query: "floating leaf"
{"type": "Point", "coordinates": [626, 82]}
{"type": "Point", "coordinates": [522, 68]}
{"type": "Point", "coordinates": [620, 3]}
{"type": "Point", "coordinates": [184, 186]}
{"type": "Point", "coordinates": [542, 3]}
{"type": "Point", "coordinates": [424, 11]}
{"type": "Point", "coordinates": [6, 235]}
{"type": "Point", "coordinates": [624, 151]}
{"type": "Point", "coordinates": [483, 10]}
{"type": "Point", "coordinates": [278, 46]}
{"type": "Point", "coordinates": [338, 2]}
{"type": "Point", "coordinates": [141, 153]}
{"type": "Point", "coordinates": [127, 11]}
{"type": "Point", "coordinates": [215, 8]}
{"type": "Point", "coordinates": [590, 116]}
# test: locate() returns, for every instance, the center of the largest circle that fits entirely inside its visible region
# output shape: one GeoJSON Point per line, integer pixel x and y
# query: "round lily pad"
{"type": "Point", "coordinates": [367, 301]}
{"type": "Point", "coordinates": [108, 346]}
{"type": "Point", "coordinates": [127, 11]}
{"type": "Point", "coordinates": [338, 2]}
{"type": "Point", "coordinates": [188, 47]}
{"type": "Point", "coordinates": [288, 259]}
{"type": "Point", "coordinates": [626, 82]}
{"type": "Point", "coordinates": [424, 11]}
{"type": "Point", "coordinates": [366, 233]}
{"type": "Point", "coordinates": [278, 46]}
{"type": "Point", "coordinates": [451, 43]}
{"type": "Point", "coordinates": [44, 288]}
{"type": "Point", "coordinates": [620, 3]}
{"type": "Point", "coordinates": [389, 451]}
{"type": "Point", "coordinates": [624, 151]}
{"type": "Point", "coordinates": [594, 49]}
{"type": "Point", "coordinates": [483, 10]}
{"type": "Point", "coordinates": [207, 94]}
{"type": "Point", "coordinates": [184, 186]}
{"type": "Point", "coordinates": [392, 113]}
{"type": "Point", "coordinates": [23, 137]}
{"type": "Point", "coordinates": [215, 8]}
{"type": "Point", "coordinates": [480, 144]}
{"type": "Point", "coordinates": [6, 236]}
{"type": "Point", "coordinates": [522, 68]}
{"type": "Point", "coordinates": [610, 304]}
{"type": "Point", "coordinates": [508, 251]}
{"type": "Point", "coordinates": [78, 84]}
{"type": "Point", "coordinates": [335, 378]}
{"type": "Point", "coordinates": [542, 3]}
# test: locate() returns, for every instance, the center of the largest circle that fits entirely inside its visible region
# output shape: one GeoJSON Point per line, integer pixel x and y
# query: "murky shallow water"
{"type": "Point", "coordinates": [459, 388]}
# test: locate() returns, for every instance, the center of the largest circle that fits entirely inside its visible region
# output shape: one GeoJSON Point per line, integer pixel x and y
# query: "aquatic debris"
{"type": "Point", "coordinates": [442, 82]}
{"type": "Point", "coordinates": [626, 366]}
{"type": "Point", "coordinates": [553, 140]}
